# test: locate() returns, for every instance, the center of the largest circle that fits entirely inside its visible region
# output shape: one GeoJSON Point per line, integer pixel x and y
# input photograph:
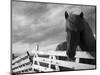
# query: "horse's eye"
{"type": "Point", "coordinates": [81, 14]}
{"type": "Point", "coordinates": [66, 15]}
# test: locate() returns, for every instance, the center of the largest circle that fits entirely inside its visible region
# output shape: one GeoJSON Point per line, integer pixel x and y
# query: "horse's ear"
{"type": "Point", "coordinates": [66, 14]}
{"type": "Point", "coordinates": [81, 14]}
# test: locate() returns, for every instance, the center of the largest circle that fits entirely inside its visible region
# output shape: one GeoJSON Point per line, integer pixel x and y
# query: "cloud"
{"type": "Point", "coordinates": [29, 31]}
{"type": "Point", "coordinates": [41, 23]}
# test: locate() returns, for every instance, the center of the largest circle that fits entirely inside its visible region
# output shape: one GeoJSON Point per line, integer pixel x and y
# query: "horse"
{"type": "Point", "coordinates": [62, 46]}
{"type": "Point", "coordinates": [79, 34]}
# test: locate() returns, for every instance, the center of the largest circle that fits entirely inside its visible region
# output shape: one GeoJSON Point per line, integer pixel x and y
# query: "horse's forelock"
{"type": "Point", "coordinates": [76, 16]}
{"type": "Point", "coordinates": [75, 11]}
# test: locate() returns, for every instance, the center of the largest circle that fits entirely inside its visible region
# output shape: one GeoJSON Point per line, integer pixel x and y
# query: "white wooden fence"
{"type": "Point", "coordinates": [51, 60]}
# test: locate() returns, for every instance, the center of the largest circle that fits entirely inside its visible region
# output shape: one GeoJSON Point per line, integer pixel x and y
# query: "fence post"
{"type": "Point", "coordinates": [35, 58]}
{"type": "Point", "coordinates": [56, 65]}
{"type": "Point", "coordinates": [77, 60]}
{"type": "Point", "coordinates": [49, 66]}
{"type": "Point", "coordinates": [33, 63]}
{"type": "Point", "coordinates": [52, 59]}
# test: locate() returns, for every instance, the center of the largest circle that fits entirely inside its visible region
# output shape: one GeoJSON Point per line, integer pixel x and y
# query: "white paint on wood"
{"type": "Point", "coordinates": [20, 63]}
{"type": "Point", "coordinates": [67, 64]}
{"type": "Point", "coordinates": [44, 69]}
{"type": "Point", "coordinates": [52, 60]}
{"type": "Point", "coordinates": [18, 58]}
{"type": "Point", "coordinates": [79, 54]}
{"type": "Point", "coordinates": [22, 68]}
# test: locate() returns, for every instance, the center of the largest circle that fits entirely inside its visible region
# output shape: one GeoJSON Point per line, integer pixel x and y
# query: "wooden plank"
{"type": "Point", "coordinates": [31, 71]}
{"type": "Point", "coordinates": [22, 68]}
{"type": "Point", "coordinates": [20, 63]}
{"type": "Point", "coordinates": [18, 58]}
{"type": "Point", "coordinates": [68, 64]}
{"type": "Point", "coordinates": [41, 68]}
{"type": "Point", "coordinates": [79, 54]}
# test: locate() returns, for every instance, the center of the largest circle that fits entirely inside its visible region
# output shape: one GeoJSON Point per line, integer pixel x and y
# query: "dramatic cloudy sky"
{"type": "Point", "coordinates": [42, 23]}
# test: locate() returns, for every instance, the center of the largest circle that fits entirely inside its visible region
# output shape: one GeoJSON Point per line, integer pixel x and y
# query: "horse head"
{"type": "Point", "coordinates": [79, 33]}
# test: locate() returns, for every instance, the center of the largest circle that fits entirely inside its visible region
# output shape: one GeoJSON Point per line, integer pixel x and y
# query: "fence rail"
{"type": "Point", "coordinates": [52, 60]}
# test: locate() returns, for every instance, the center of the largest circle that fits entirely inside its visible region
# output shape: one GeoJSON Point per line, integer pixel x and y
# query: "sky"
{"type": "Point", "coordinates": [42, 23]}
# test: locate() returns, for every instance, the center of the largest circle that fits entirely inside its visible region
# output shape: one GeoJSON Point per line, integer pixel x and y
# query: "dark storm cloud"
{"type": "Point", "coordinates": [35, 22]}
{"type": "Point", "coordinates": [26, 11]}
{"type": "Point", "coordinates": [47, 34]}
{"type": "Point", "coordinates": [29, 9]}
{"type": "Point", "coordinates": [27, 19]}
{"type": "Point", "coordinates": [28, 35]}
